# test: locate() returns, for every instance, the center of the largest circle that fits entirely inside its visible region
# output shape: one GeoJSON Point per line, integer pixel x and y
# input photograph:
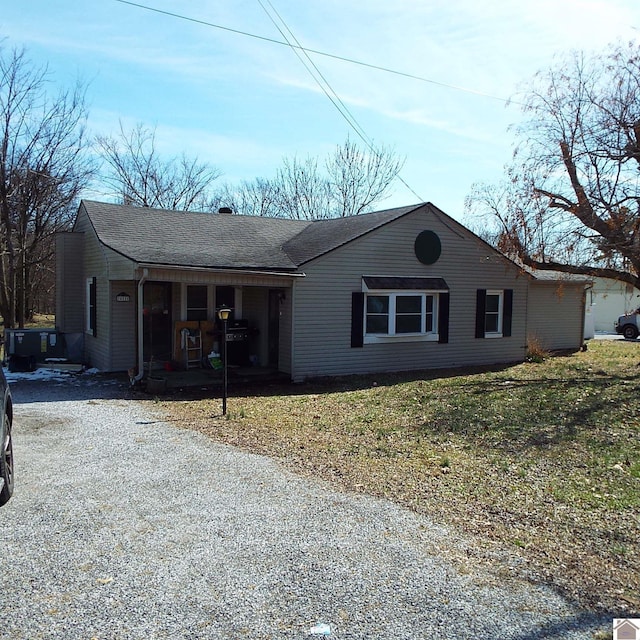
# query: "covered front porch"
{"type": "Point", "coordinates": [178, 331]}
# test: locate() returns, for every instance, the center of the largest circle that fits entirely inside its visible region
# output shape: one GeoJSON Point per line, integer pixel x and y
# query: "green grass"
{"type": "Point", "coordinates": [39, 321]}
{"type": "Point", "coordinates": [541, 457]}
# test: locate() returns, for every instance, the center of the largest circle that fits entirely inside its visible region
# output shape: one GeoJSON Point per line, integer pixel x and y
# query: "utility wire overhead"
{"type": "Point", "coordinates": [360, 63]}
{"type": "Point", "coordinates": [326, 87]}
{"type": "Point", "coordinates": [316, 74]}
{"type": "Point", "coordinates": [302, 54]}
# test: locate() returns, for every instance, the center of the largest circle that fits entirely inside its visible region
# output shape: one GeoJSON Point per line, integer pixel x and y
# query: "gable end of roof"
{"type": "Point", "coordinates": [323, 236]}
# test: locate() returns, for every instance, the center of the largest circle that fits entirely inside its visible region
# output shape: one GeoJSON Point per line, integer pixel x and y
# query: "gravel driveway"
{"type": "Point", "coordinates": [122, 526]}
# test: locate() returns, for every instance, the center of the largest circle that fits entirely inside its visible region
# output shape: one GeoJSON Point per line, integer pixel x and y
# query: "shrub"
{"type": "Point", "coordinates": [535, 350]}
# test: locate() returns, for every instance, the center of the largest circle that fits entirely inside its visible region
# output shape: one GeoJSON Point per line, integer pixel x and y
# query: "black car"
{"type": "Point", "coordinates": [6, 454]}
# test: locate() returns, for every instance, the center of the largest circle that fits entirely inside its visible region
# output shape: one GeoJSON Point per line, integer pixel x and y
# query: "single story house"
{"type": "Point", "coordinates": [407, 288]}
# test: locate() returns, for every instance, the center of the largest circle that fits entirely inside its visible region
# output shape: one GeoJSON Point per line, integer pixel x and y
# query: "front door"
{"type": "Point", "coordinates": [157, 324]}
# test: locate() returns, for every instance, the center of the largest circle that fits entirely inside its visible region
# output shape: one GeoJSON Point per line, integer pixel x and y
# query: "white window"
{"type": "Point", "coordinates": [493, 314]}
{"type": "Point", "coordinates": [400, 315]}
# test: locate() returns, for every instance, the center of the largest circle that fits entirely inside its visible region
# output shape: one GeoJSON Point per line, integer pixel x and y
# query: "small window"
{"type": "Point", "coordinates": [197, 302]}
{"type": "Point", "coordinates": [493, 313]}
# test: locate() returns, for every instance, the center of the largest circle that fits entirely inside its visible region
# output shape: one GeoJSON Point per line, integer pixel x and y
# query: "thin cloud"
{"type": "Point", "coordinates": [242, 103]}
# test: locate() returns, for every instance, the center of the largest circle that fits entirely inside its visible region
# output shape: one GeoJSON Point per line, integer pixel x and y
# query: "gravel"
{"type": "Point", "coordinates": [125, 527]}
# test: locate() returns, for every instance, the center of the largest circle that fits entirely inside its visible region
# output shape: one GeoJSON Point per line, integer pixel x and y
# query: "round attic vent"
{"type": "Point", "coordinates": [427, 247]}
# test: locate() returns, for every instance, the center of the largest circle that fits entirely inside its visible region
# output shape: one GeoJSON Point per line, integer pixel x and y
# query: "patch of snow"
{"type": "Point", "coordinates": [44, 373]}
{"type": "Point", "coordinates": [38, 374]}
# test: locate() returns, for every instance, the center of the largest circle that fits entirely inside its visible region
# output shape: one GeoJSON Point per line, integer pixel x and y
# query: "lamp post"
{"type": "Point", "coordinates": [224, 314]}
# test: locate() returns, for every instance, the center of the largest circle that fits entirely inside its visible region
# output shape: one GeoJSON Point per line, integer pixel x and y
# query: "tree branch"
{"type": "Point", "coordinates": [595, 272]}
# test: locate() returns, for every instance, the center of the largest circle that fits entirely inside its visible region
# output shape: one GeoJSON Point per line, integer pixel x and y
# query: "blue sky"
{"type": "Point", "coordinates": [243, 104]}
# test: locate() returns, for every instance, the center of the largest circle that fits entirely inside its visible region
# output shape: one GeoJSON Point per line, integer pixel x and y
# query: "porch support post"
{"type": "Point", "coordinates": [143, 279]}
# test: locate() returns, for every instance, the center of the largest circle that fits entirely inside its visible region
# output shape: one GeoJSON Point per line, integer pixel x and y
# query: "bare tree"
{"type": "Point", "coordinates": [358, 178]}
{"type": "Point", "coordinates": [43, 168]}
{"type": "Point", "coordinates": [514, 218]}
{"type": "Point", "coordinates": [573, 190]}
{"type": "Point", "coordinates": [352, 182]}
{"type": "Point", "coordinates": [302, 192]}
{"type": "Point", "coordinates": [142, 178]}
{"type": "Point", "coordinates": [257, 198]}
{"type": "Point", "coordinates": [298, 191]}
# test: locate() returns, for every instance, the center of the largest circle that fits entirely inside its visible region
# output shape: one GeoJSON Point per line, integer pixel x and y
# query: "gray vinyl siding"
{"type": "Point", "coordinates": [101, 263]}
{"type": "Point", "coordinates": [322, 329]}
{"type": "Point", "coordinates": [123, 324]}
{"type": "Point", "coordinates": [69, 282]}
{"type": "Point", "coordinates": [556, 315]}
{"type": "Point", "coordinates": [97, 347]}
{"type": "Point", "coordinates": [114, 266]}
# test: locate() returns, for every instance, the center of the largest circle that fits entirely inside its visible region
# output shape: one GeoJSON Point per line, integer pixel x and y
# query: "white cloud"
{"type": "Point", "coordinates": [242, 104]}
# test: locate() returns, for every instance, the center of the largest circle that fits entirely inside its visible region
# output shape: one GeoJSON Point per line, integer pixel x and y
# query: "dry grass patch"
{"type": "Point", "coordinates": [541, 457]}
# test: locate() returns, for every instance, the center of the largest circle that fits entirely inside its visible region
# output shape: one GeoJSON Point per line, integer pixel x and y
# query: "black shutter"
{"type": "Point", "coordinates": [357, 319]}
{"type": "Point", "coordinates": [92, 307]}
{"type": "Point", "coordinates": [443, 318]}
{"type": "Point", "coordinates": [507, 310]}
{"type": "Point", "coordinates": [481, 299]}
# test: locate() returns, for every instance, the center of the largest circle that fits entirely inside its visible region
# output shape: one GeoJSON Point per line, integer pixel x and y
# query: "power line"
{"type": "Point", "coordinates": [360, 63]}
{"type": "Point", "coordinates": [325, 85]}
{"type": "Point", "coordinates": [316, 74]}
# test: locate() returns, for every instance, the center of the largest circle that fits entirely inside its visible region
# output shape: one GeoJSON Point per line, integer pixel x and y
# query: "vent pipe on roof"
{"type": "Point", "coordinates": [226, 210]}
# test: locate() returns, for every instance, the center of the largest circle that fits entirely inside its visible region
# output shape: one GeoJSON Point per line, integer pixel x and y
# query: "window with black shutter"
{"type": "Point", "coordinates": [494, 309]}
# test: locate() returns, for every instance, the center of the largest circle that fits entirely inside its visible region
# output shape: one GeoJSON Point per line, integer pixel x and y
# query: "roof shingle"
{"type": "Point", "coordinates": [215, 240]}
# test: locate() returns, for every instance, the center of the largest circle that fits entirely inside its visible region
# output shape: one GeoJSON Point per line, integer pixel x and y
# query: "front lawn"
{"type": "Point", "coordinates": [543, 458]}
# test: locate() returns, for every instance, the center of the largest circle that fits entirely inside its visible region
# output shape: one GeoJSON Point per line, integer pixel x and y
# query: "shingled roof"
{"type": "Point", "coordinates": [322, 236]}
{"type": "Point", "coordinates": [219, 240]}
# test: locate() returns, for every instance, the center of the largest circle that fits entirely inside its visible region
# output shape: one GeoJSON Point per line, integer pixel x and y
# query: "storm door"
{"type": "Point", "coordinates": [157, 324]}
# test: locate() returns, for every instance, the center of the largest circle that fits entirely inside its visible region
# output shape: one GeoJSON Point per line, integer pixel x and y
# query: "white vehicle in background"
{"type": "Point", "coordinates": [629, 325]}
